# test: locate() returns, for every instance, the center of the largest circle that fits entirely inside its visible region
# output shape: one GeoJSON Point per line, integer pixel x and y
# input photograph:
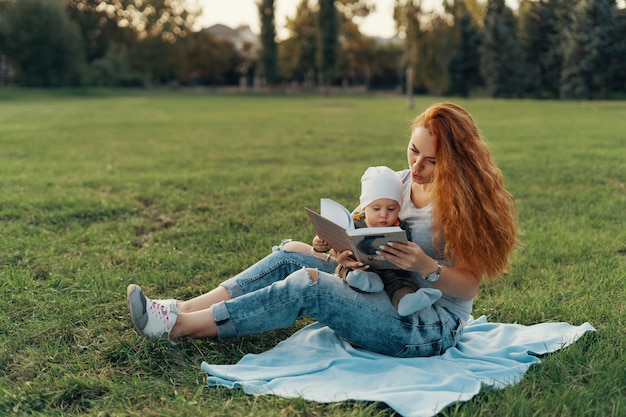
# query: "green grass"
{"type": "Point", "coordinates": [178, 191]}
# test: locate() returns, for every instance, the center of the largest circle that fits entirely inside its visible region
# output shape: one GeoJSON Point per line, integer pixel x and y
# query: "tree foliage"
{"type": "Point", "coordinates": [499, 51]}
{"type": "Point", "coordinates": [356, 55]}
{"type": "Point", "coordinates": [464, 67]}
{"type": "Point", "coordinates": [349, 9]}
{"type": "Point", "coordinates": [4, 6]}
{"type": "Point", "coordinates": [386, 69]}
{"type": "Point", "coordinates": [112, 70]}
{"type": "Point", "coordinates": [434, 55]}
{"type": "Point", "coordinates": [587, 50]}
{"type": "Point", "coordinates": [98, 29]}
{"type": "Point", "coordinates": [541, 46]}
{"type": "Point", "coordinates": [618, 69]}
{"type": "Point", "coordinates": [145, 33]}
{"type": "Point", "coordinates": [407, 15]}
{"type": "Point", "coordinates": [168, 19]}
{"type": "Point", "coordinates": [43, 44]}
{"type": "Point", "coordinates": [208, 60]}
{"type": "Point", "coordinates": [269, 48]}
{"type": "Point", "coordinates": [328, 45]}
{"type": "Point", "coordinates": [549, 49]}
{"type": "Point", "coordinates": [297, 54]}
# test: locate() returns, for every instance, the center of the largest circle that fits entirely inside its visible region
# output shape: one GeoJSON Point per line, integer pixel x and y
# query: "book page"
{"type": "Point", "coordinates": [336, 213]}
{"type": "Point", "coordinates": [391, 230]}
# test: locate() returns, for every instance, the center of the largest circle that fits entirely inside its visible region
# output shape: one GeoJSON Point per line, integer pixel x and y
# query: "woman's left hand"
{"type": "Point", "coordinates": [459, 281]}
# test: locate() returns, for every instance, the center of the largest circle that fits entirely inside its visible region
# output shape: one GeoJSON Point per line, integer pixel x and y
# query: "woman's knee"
{"type": "Point", "coordinates": [302, 247]}
{"type": "Point", "coordinates": [312, 274]}
{"type": "Point", "coordinates": [307, 275]}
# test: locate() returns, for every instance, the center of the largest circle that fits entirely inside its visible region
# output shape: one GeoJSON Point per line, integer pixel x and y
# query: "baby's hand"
{"type": "Point", "coordinates": [320, 245]}
{"type": "Point", "coordinates": [346, 259]}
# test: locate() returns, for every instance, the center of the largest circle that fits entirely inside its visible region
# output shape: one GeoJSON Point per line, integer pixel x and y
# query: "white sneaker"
{"type": "Point", "coordinates": [151, 318]}
{"type": "Point", "coordinates": [170, 302]}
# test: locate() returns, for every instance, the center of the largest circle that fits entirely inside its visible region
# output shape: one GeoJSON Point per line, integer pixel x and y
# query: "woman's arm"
{"type": "Point", "coordinates": [457, 281]}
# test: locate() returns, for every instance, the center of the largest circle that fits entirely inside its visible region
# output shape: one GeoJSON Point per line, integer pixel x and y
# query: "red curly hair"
{"type": "Point", "coordinates": [472, 211]}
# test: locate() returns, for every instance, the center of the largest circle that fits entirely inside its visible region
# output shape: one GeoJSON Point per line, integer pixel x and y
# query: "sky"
{"type": "Point", "coordinates": [234, 13]}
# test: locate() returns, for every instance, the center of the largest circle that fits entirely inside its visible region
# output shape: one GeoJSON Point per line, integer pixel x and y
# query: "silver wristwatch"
{"type": "Point", "coordinates": [432, 277]}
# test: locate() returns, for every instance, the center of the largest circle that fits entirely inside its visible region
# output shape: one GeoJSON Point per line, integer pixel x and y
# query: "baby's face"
{"type": "Point", "coordinates": [382, 213]}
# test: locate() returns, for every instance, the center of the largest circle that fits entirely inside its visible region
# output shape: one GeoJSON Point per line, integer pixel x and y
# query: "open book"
{"type": "Point", "coordinates": [335, 225]}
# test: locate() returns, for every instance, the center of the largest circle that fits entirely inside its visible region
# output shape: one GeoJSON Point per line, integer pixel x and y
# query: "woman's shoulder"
{"type": "Point", "coordinates": [405, 175]}
{"type": "Point", "coordinates": [407, 207]}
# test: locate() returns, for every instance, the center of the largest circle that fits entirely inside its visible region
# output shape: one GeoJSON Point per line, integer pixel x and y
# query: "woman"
{"type": "Point", "coordinates": [463, 227]}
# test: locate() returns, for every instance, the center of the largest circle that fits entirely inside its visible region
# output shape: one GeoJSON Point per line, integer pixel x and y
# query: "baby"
{"type": "Point", "coordinates": [381, 195]}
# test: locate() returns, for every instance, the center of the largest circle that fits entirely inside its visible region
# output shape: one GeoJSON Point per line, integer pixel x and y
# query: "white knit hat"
{"type": "Point", "coordinates": [380, 182]}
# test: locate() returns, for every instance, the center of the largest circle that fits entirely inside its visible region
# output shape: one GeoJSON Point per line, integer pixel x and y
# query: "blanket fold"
{"type": "Point", "coordinates": [317, 365]}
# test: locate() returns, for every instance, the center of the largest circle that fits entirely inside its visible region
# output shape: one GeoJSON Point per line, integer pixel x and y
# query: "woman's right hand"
{"type": "Point", "coordinates": [346, 259]}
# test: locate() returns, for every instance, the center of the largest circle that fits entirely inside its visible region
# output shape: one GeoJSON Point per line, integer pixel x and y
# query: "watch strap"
{"type": "Point", "coordinates": [434, 276]}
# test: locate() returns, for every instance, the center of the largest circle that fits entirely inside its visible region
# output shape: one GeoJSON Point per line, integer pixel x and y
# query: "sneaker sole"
{"type": "Point", "coordinates": [129, 292]}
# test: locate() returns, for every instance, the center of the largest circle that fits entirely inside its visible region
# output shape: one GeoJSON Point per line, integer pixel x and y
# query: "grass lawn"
{"type": "Point", "coordinates": [177, 191]}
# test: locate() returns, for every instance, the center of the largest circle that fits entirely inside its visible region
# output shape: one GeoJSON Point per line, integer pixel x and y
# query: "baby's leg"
{"type": "Point", "coordinates": [365, 281]}
{"type": "Point", "coordinates": [415, 301]}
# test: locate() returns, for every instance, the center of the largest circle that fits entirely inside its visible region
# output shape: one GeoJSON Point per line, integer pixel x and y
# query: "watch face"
{"type": "Point", "coordinates": [435, 275]}
{"type": "Point", "coordinates": [432, 277]}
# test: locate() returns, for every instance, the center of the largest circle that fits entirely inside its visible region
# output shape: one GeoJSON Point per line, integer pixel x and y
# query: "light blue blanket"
{"type": "Point", "coordinates": [317, 365]}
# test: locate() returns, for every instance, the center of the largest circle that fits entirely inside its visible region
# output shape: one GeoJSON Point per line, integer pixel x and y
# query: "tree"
{"type": "Point", "coordinates": [98, 30]}
{"type": "Point", "coordinates": [159, 60]}
{"type": "Point", "coordinates": [407, 15]}
{"type": "Point", "coordinates": [499, 51]}
{"type": "Point", "coordinates": [349, 9]}
{"type": "Point", "coordinates": [146, 32]}
{"type": "Point", "coordinates": [618, 69]}
{"type": "Point", "coordinates": [43, 44]}
{"type": "Point", "coordinates": [356, 55]}
{"type": "Point", "coordinates": [208, 60]}
{"type": "Point", "coordinates": [4, 7]}
{"type": "Point", "coordinates": [297, 53]}
{"type": "Point", "coordinates": [4, 70]}
{"type": "Point", "coordinates": [587, 50]}
{"type": "Point", "coordinates": [541, 26]}
{"type": "Point", "coordinates": [355, 49]}
{"type": "Point", "coordinates": [269, 49]}
{"type": "Point", "coordinates": [328, 46]}
{"type": "Point", "coordinates": [105, 45]}
{"type": "Point", "coordinates": [464, 68]}
{"type": "Point", "coordinates": [168, 19]}
{"type": "Point", "coordinates": [386, 69]}
{"type": "Point", "coordinates": [435, 54]}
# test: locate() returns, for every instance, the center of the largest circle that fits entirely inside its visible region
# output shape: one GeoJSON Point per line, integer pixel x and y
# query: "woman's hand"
{"type": "Point", "coordinates": [457, 281]}
{"type": "Point", "coordinates": [346, 259]}
{"type": "Point", "coordinates": [408, 256]}
{"type": "Point", "coordinates": [320, 245]}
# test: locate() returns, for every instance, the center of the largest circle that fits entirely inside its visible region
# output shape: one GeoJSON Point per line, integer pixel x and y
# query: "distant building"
{"type": "Point", "coordinates": [242, 38]}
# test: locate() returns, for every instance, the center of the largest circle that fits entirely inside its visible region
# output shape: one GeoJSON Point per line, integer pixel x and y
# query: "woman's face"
{"type": "Point", "coordinates": [421, 156]}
